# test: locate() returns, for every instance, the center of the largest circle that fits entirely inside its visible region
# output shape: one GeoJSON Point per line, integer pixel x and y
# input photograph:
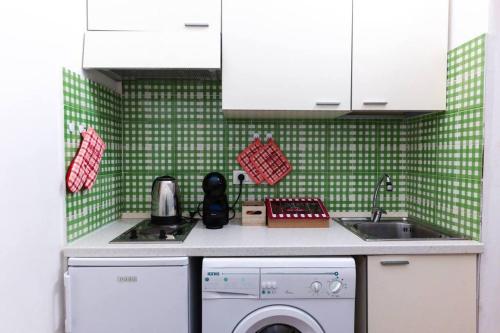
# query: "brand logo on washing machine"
{"type": "Point", "coordinates": [129, 278]}
{"type": "Point", "coordinates": [213, 273]}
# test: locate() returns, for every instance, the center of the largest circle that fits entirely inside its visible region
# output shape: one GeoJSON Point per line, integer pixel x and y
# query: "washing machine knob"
{"type": "Point", "coordinates": [334, 287]}
{"type": "Point", "coordinates": [316, 286]}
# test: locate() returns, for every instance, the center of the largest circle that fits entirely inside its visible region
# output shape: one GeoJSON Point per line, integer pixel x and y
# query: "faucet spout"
{"type": "Point", "coordinates": [376, 212]}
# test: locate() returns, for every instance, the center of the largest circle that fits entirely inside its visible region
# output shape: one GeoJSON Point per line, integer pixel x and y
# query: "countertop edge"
{"type": "Point", "coordinates": [266, 252]}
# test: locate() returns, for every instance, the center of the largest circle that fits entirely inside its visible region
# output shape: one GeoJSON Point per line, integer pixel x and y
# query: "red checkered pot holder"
{"type": "Point", "coordinates": [95, 159]}
{"type": "Point", "coordinates": [83, 170]}
{"type": "Point", "coordinates": [271, 163]}
{"type": "Point", "coordinates": [243, 159]}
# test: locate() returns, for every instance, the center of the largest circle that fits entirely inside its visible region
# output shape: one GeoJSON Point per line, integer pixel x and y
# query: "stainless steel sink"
{"type": "Point", "coordinates": [394, 229]}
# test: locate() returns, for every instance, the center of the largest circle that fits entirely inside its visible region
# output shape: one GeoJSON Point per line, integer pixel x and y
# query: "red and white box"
{"type": "Point", "coordinates": [297, 213]}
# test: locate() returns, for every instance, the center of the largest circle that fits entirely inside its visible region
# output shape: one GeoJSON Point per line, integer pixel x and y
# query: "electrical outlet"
{"type": "Point", "coordinates": [246, 181]}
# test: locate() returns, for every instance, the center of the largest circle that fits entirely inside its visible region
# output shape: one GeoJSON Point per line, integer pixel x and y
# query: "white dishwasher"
{"type": "Point", "coordinates": [129, 295]}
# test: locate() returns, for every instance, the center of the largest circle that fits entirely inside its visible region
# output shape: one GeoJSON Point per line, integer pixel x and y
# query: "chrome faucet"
{"type": "Point", "coordinates": [377, 211]}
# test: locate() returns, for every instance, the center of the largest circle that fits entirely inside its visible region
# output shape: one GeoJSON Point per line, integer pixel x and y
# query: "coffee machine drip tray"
{"type": "Point", "coordinates": [147, 232]}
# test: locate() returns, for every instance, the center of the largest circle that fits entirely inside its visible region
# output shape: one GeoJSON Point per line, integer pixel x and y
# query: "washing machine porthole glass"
{"type": "Point", "coordinates": [278, 328]}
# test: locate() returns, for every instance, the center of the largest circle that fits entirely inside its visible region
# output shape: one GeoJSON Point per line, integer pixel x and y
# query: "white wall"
{"type": "Point", "coordinates": [489, 297]}
{"type": "Point", "coordinates": [38, 39]}
{"type": "Point", "coordinates": [468, 19]}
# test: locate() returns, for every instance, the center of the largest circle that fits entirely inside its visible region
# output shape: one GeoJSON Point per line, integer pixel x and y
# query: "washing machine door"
{"type": "Point", "coordinates": [278, 319]}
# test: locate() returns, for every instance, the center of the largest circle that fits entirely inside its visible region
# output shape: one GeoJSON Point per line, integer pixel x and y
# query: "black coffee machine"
{"type": "Point", "coordinates": [215, 204]}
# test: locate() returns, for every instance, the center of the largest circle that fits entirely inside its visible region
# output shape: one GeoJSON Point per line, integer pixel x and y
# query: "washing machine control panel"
{"type": "Point", "coordinates": [278, 283]}
{"type": "Point", "coordinates": [307, 283]}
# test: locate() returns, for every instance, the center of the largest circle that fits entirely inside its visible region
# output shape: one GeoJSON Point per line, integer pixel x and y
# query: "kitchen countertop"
{"type": "Point", "coordinates": [236, 240]}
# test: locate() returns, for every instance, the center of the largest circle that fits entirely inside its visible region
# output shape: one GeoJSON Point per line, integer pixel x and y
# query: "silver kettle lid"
{"type": "Point", "coordinates": [165, 178]}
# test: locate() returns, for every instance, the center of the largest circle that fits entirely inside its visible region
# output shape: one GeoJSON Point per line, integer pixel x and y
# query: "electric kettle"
{"type": "Point", "coordinates": [165, 201]}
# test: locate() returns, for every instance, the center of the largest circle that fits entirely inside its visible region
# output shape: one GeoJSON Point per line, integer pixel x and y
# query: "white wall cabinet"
{"type": "Point", "coordinates": [399, 55]}
{"type": "Point", "coordinates": [422, 293]}
{"type": "Point", "coordinates": [151, 50]}
{"type": "Point", "coordinates": [286, 55]}
{"type": "Point", "coordinates": [153, 34]}
{"type": "Point", "coordinates": [153, 15]}
{"type": "Point", "coordinates": [320, 58]}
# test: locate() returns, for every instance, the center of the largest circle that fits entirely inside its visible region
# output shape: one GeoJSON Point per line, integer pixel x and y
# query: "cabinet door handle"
{"type": "Point", "coordinates": [394, 262]}
{"type": "Point", "coordinates": [375, 103]}
{"type": "Point", "coordinates": [196, 25]}
{"type": "Point", "coordinates": [326, 103]}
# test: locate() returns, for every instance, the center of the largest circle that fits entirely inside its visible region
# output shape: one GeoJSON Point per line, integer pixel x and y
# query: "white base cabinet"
{"type": "Point", "coordinates": [422, 294]}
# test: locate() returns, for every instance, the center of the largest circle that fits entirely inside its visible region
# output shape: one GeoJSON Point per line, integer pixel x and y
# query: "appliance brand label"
{"type": "Point", "coordinates": [213, 273]}
{"type": "Point", "coordinates": [129, 278]}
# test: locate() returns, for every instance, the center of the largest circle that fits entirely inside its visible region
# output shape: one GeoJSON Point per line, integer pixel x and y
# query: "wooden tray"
{"type": "Point", "coordinates": [297, 213]}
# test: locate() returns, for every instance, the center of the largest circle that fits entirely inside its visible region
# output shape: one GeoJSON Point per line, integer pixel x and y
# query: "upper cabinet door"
{"type": "Point", "coordinates": [153, 34]}
{"type": "Point", "coordinates": [286, 55]}
{"type": "Point", "coordinates": [399, 55]}
{"type": "Point", "coordinates": [153, 15]}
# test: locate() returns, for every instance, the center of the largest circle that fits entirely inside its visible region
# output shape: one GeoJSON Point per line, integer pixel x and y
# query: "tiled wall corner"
{"type": "Point", "coordinates": [445, 151]}
{"type": "Point", "coordinates": [86, 103]}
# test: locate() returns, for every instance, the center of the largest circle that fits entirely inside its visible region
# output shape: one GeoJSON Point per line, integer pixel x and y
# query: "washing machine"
{"type": "Point", "coordinates": [278, 295]}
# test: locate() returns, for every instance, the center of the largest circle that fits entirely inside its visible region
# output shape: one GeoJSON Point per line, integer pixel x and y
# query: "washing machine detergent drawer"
{"type": "Point", "coordinates": [231, 283]}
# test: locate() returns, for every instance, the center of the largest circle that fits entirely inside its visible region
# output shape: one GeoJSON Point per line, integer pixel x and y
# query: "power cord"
{"type": "Point", "coordinates": [241, 178]}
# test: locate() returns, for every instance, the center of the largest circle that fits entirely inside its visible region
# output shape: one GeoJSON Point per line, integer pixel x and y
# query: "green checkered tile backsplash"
{"type": "Point", "coordinates": [88, 104]}
{"type": "Point", "coordinates": [465, 87]}
{"type": "Point", "coordinates": [445, 151]}
{"type": "Point", "coordinates": [191, 138]}
{"type": "Point", "coordinates": [176, 127]}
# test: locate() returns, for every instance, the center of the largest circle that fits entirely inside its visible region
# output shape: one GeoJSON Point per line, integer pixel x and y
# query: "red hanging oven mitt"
{"type": "Point", "coordinates": [243, 159]}
{"type": "Point", "coordinates": [271, 163]}
{"type": "Point", "coordinates": [84, 168]}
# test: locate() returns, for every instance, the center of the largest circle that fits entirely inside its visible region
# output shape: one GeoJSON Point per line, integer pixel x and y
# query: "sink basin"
{"type": "Point", "coordinates": [394, 229]}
